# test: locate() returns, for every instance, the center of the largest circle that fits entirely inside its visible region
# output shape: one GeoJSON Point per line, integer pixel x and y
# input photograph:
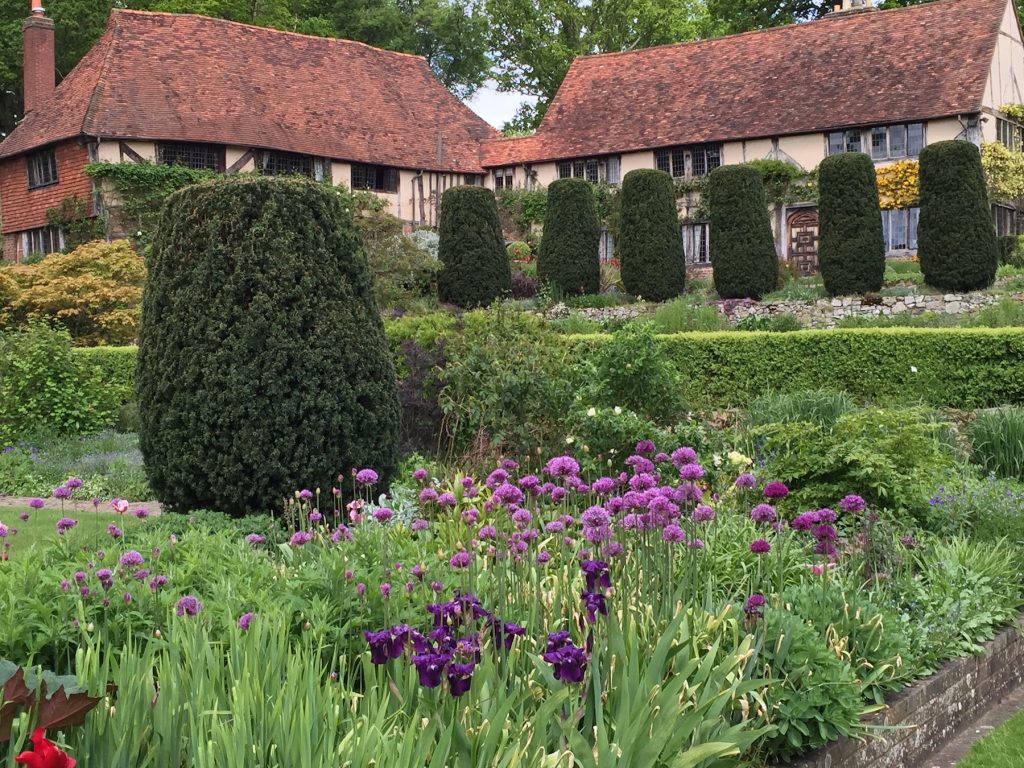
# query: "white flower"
{"type": "Point", "coordinates": [592, 412]}
{"type": "Point", "coordinates": [717, 459]}
{"type": "Point", "coordinates": [913, 369]}
{"type": "Point", "coordinates": [570, 440]}
{"type": "Point", "coordinates": [618, 411]}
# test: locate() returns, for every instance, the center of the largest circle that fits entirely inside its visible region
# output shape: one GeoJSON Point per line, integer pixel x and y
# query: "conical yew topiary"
{"type": "Point", "coordinates": [263, 366]}
{"type": "Point", "coordinates": [471, 248]}
{"type": "Point", "coordinates": [956, 241]}
{"type": "Point", "coordinates": [650, 239]}
{"type": "Point", "coordinates": [568, 257]}
{"type": "Point", "coordinates": [851, 252]}
{"type": "Point", "coordinates": [742, 248]}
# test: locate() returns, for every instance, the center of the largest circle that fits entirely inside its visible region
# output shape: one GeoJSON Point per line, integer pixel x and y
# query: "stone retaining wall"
{"type": "Point", "coordinates": [825, 313]}
{"type": "Point", "coordinates": [922, 718]}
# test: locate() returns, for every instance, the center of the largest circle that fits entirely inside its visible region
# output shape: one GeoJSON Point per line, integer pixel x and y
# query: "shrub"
{"type": "Point", "coordinates": [650, 243]}
{"type": "Point", "coordinates": [524, 286]}
{"type": "Point", "coordinates": [742, 248]}
{"type": "Point", "coordinates": [997, 442]}
{"type": "Point", "coordinates": [476, 267]}
{"type": "Point", "coordinates": [985, 510]}
{"type": "Point", "coordinates": [852, 249]}
{"type": "Point", "coordinates": [781, 323]}
{"type": "Point", "coordinates": [519, 251]}
{"type": "Point", "coordinates": [568, 257]}
{"type": "Point", "coordinates": [95, 292]}
{"type": "Point", "coordinates": [1008, 249]}
{"type": "Point", "coordinates": [263, 365]}
{"type": "Point", "coordinates": [402, 271]}
{"type": "Point", "coordinates": [418, 392]}
{"type": "Point", "coordinates": [956, 240]}
{"type": "Point", "coordinates": [427, 240]}
{"type": "Point", "coordinates": [45, 387]}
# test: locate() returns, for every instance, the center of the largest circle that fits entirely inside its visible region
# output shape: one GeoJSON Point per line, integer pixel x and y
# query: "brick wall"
{"type": "Point", "coordinates": [22, 208]}
{"type": "Point", "coordinates": [922, 718]}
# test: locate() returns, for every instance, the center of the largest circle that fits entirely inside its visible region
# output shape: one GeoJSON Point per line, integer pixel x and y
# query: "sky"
{"type": "Point", "coordinates": [494, 107]}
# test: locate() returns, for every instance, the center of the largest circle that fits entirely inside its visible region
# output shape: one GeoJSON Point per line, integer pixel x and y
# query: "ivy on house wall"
{"type": "Point", "coordinates": [1004, 172]}
{"type": "Point", "coordinates": [898, 185]}
{"type": "Point", "coordinates": [72, 218]}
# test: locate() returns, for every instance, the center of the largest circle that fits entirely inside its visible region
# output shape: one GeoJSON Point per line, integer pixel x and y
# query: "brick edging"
{"type": "Point", "coordinates": [921, 718]}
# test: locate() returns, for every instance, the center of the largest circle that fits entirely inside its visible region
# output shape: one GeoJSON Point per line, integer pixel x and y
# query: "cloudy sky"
{"type": "Point", "coordinates": [496, 108]}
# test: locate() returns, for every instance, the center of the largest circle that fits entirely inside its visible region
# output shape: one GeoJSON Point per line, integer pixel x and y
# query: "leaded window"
{"type": "Point", "coordinates": [374, 178]}
{"type": "Point", "coordinates": [688, 160]}
{"type": "Point", "coordinates": [201, 157]}
{"type": "Point", "coordinates": [42, 168]}
{"type": "Point", "coordinates": [695, 243]}
{"type": "Point", "coordinates": [275, 163]}
{"type": "Point", "coordinates": [891, 142]}
{"type": "Point", "coordinates": [899, 228]}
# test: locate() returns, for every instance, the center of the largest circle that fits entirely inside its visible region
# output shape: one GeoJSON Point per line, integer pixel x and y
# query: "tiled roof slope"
{"type": "Point", "coordinates": [925, 61]}
{"type": "Point", "coordinates": [193, 78]}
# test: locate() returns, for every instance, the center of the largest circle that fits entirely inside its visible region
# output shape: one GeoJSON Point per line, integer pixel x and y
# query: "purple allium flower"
{"type": "Point", "coordinates": [640, 464]}
{"type": "Point", "coordinates": [594, 517]}
{"type": "Point", "coordinates": [909, 542]}
{"type": "Point", "coordinates": [36, 503]}
{"type": "Point", "coordinates": [131, 559]}
{"type": "Point", "coordinates": [315, 516]}
{"type": "Point", "coordinates": [4, 530]}
{"type": "Point", "coordinates": [642, 482]}
{"type": "Point", "coordinates": [691, 472]}
{"type": "Point", "coordinates": [508, 494]}
{"type": "Point", "coordinates": [419, 475]}
{"type": "Point", "coordinates": [84, 591]}
{"type": "Point", "coordinates": [156, 582]}
{"type": "Point", "coordinates": [522, 517]}
{"type": "Point", "coordinates": [255, 539]}
{"type": "Point", "coordinates": [419, 524]}
{"type": "Point", "coordinates": [73, 482]}
{"type": "Point", "coordinates": [804, 521]}
{"type": "Point", "coordinates": [684, 455]}
{"type": "Point", "coordinates": [141, 575]}
{"type": "Point", "coordinates": [852, 503]}
{"type": "Point", "coordinates": [603, 486]}
{"type": "Point", "coordinates": [106, 577]}
{"type": "Point", "coordinates": [646, 446]}
{"type": "Point", "coordinates": [824, 547]}
{"type": "Point", "coordinates": [385, 590]}
{"type": "Point", "coordinates": [367, 477]}
{"type": "Point", "coordinates": [754, 604]}
{"type": "Point", "coordinates": [746, 481]}
{"type": "Point", "coordinates": [189, 605]}
{"type": "Point", "coordinates": [141, 513]}
{"type": "Point", "coordinates": [360, 589]}
{"type": "Point", "coordinates": [245, 620]}
{"type": "Point", "coordinates": [436, 586]}
{"type": "Point", "coordinates": [543, 556]}
{"type": "Point", "coordinates": [496, 478]}
{"type": "Point", "coordinates": [488, 532]}
{"type": "Point", "coordinates": [65, 584]}
{"type": "Point", "coordinates": [470, 515]}
{"type": "Point", "coordinates": [62, 492]}
{"type": "Point", "coordinates": [760, 547]}
{"type": "Point", "coordinates": [65, 524]}
{"type": "Point", "coordinates": [763, 513]}
{"type": "Point", "coordinates": [562, 466]}
{"type": "Point", "coordinates": [460, 559]}
{"type": "Point", "coordinates": [696, 543]}
{"type": "Point", "coordinates": [127, 598]}
{"type": "Point", "coordinates": [673, 534]}
{"type": "Point", "coordinates": [825, 515]}
{"type": "Point", "coordinates": [776, 490]}
{"type": "Point", "coordinates": [447, 500]}
{"type": "Point", "coordinates": [23, 517]}
{"type": "Point", "coordinates": [80, 576]}
{"type": "Point", "coordinates": [114, 531]}
{"type": "Point", "coordinates": [702, 514]}
{"type": "Point", "coordinates": [382, 514]}
{"type": "Point", "coordinates": [305, 493]}
{"type": "Point", "coordinates": [824, 533]}
{"type": "Point", "coordinates": [662, 457]}
{"type": "Point", "coordinates": [299, 538]}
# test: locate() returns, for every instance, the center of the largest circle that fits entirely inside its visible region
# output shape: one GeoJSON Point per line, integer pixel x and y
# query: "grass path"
{"type": "Point", "coordinates": [41, 525]}
{"type": "Point", "coordinates": [1003, 748]}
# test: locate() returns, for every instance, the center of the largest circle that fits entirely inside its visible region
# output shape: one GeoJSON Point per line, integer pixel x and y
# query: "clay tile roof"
{"type": "Point", "coordinates": [192, 78]}
{"type": "Point", "coordinates": [850, 69]}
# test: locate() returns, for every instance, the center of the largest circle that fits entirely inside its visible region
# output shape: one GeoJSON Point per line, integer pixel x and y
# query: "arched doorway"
{"type": "Point", "coordinates": [802, 225]}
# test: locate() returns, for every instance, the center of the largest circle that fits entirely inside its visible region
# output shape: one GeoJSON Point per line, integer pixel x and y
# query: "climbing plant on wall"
{"type": "Point", "coordinates": [1004, 172]}
{"type": "Point", "coordinates": [898, 185]}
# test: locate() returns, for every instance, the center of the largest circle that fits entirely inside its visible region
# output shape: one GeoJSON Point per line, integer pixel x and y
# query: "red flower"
{"type": "Point", "coordinates": [44, 754]}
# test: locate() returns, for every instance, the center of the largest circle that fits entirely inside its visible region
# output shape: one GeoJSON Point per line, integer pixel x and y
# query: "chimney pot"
{"type": "Point", "coordinates": [39, 58]}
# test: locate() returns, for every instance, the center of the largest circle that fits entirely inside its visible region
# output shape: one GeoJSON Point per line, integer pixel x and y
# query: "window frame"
{"type": "Point", "coordinates": [385, 178]}
{"type": "Point", "coordinates": [53, 234]}
{"type": "Point", "coordinates": [41, 168]}
{"type": "Point", "coordinates": [281, 158]}
{"type": "Point", "coordinates": [913, 139]}
{"type": "Point", "coordinates": [593, 168]}
{"type": "Point", "coordinates": [689, 161]}
{"type": "Point", "coordinates": [216, 153]}
{"type": "Point", "coordinates": [696, 236]}
{"type": "Point", "coordinates": [504, 177]}
{"type": "Point", "coordinates": [909, 219]}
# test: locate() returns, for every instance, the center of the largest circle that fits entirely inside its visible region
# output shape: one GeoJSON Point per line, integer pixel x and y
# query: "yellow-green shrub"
{"type": "Point", "coordinates": [95, 292]}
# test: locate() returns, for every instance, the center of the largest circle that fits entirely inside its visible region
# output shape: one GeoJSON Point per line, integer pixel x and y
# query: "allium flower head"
{"type": "Point", "coordinates": [702, 514]}
{"type": "Point", "coordinates": [558, 495]}
{"type": "Point", "coordinates": [114, 531]}
{"type": "Point", "coordinates": [646, 446]}
{"type": "Point", "coordinates": [189, 605]}
{"type": "Point", "coordinates": [447, 500]}
{"type": "Point", "coordinates": [460, 559]}
{"type": "Point", "coordinates": [763, 513]}
{"type": "Point", "coordinates": [382, 514]}
{"type": "Point", "coordinates": [305, 493]}
{"type": "Point", "coordinates": [367, 477]}
{"type": "Point", "coordinates": [419, 524]}
{"type": "Point", "coordinates": [754, 604]}
{"type": "Point", "coordinates": [36, 503]}
{"type": "Point", "coordinates": [507, 494]}
{"type": "Point", "coordinates": [245, 620]}
{"type": "Point", "coordinates": [131, 559]}
{"type": "Point", "coordinates": [562, 466]}
{"type": "Point", "coordinates": [760, 547]}
{"type": "Point", "coordinates": [62, 492]}
{"type": "Point", "coordinates": [65, 524]}
{"type": "Point", "coordinates": [673, 534]}
{"type": "Point", "coordinates": [419, 475]}
{"type": "Point", "coordinates": [691, 472]}
{"type": "Point", "coordinates": [684, 455]}
{"type": "Point", "coordinates": [255, 539]}
{"type": "Point", "coordinates": [496, 478]}
{"type": "Point", "coordinates": [4, 530]}
{"type": "Point", "coordinates": [776, 490]}
{"type": "Point", "coordinates": [73, 482]}
{"type": "Point", "coordinates": [141, 513]}
{"type": "Point", "coordinates": [852, 503]}
{"type": "Point", "coordinates": [746, 481]}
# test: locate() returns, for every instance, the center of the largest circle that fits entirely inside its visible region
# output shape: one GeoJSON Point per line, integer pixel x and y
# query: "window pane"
{"type": "Point", "coordinates": [197, 156]}
{"type": "Point", "coordinates": [612, 169]}
{"type": "Point", "coordinates": [662, 160]}
{"type": "Point", "coordinates": [897, 141]}
{"type": "Point", "coordinates": [879, 149]}
{"type": "Point", "coordinates": [853, 141]}
{"type": "Point", "coordinates": [914, 216]}
{"type": "Point", "coordinates": [678, 162]}
{"type": "Point", "coordinates": [714, 155]}
{"type": "Point", "coordinates": [362, 177]}
{"type": "Point", "coordinates": [915, 139]}
{"type": "Point", "coordinates": [564, 169]}
{"type": "Point", "coordinates": [287, 163]}
{"type": "Point", "coordinates": [899, 229]}
{"type": "Point", "coordinates": [577, 169]}
{"type": "Point", "coordinates": [41, 168]}
{"type": "Point", "coordinates": [591, 170]}
{"type": "Point", "coordinates": [885, 229]}
{"type": "Point", "coordinates": [698, 156]}
{"type": "Point", "coordinates": [835, 143]}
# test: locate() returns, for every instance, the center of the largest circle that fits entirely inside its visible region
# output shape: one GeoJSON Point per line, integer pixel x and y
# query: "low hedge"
{"type": "Point", "coordinates": [116, 368]}
{"type": "Point", "coordinates": [953, 367]}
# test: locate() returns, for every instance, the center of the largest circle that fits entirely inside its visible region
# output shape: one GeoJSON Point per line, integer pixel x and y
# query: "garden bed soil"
{"type": "Point", "coordinates": [922, 719]}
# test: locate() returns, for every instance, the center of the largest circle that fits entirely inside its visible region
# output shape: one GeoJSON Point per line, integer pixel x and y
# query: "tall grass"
{"type": "Point", "coordinates": [817, 406]}
{"type": "Point", "coordinates": [682, 315]}
{"type": "Point", "coordinates": [997, 442]}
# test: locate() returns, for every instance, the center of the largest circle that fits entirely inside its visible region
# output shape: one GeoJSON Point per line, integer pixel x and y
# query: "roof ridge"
{"type": "Point", "coordinates": [829, 17]}
{"type": "Point", "coordinates": [94, 97]}
{"type": "Point", "coordinates": [215, 20]}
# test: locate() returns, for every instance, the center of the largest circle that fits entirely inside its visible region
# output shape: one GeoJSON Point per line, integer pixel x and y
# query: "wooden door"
{"type": "Point", "coordinates": [803, 240]}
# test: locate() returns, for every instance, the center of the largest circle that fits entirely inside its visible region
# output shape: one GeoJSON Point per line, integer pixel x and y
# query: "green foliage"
{"type": "Point", "coordinates": [650, 245]}
{"type": "Point", "coordinates": [682, 315]}
{"type": "Point", "coordinates": [780, 323]}
{"type": "Point", "coordinates": [892, 458]}
{"type": "Point", "coordinates": [476, 267]}
{"type": "Point", "coordinates": [631, 372]}
{"type": "Point", "coordinates": [402, 271]}
{"type": "Point", "coordinates": [114, 366]}
{"type": "Point", "coordinates": [785, 182]}
{"type": "Point", "coordinates": [95, 292]}
{"type": "Point", "coordinates": [742, 248]}
{"type": "Point", "coordinates": [427, 240]}
{"type": "Point", "coordinates": [263, 364]}
{"type": "Point", "coordinates": [73, 219]}
{"type": "Point", "coordinates": [505, 383]}
{"type": "Point", "coordinates": [44, 387]}
{"type": "Point", "coordinates": [610, 432]}
{"type": "Point", "coordinates": [568, 256]}
{"type": "Point", "coordinates": [519, 251]}
{"type": "Point", "coordinates": [985, 510]}
{"type": "Point", "coordinates": [815, 406]}
{"type": "Point", "coordinates": [852, 249]}
{"type": "Point", "coordinates": [956, 240]}
{"type": "Point", "coordinates": [521, 209]}
{"type": "Point", "coordinates": [1007, 312]}
{"type": "Point", "coordinates": [1002, 747]}
{"type": "Point", "coordinates": [142, 189]}
{"type": "Point", "coordinates": [997, 442]}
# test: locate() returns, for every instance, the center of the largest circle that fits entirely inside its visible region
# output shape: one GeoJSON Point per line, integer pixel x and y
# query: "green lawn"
{"type": "Point", "coordinates": [41, 526]}
{"type": "Point", "coordinates": [1003, 748]}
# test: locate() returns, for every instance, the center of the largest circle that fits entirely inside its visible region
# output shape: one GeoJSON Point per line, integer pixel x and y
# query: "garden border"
{"type": "Point", "coordinates": [920, 719]}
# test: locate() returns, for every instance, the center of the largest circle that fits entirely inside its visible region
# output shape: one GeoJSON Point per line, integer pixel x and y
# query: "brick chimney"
{"type": "Point", "coordinates": [37, 34]}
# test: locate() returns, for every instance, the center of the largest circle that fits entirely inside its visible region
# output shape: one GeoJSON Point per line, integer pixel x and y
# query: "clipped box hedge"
{"type": "Point", "coordinates": [955, 367]}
